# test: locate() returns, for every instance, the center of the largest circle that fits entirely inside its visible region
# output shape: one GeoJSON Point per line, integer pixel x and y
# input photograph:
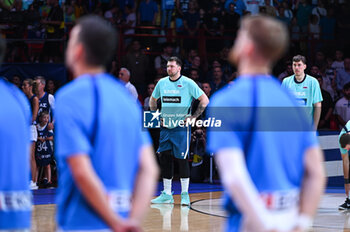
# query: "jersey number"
{"type": "Point", "coordinates": [42, 146]}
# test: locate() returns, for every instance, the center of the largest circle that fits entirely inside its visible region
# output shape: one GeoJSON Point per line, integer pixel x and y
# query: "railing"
{"type": "Point", "coordinates": [169, 35]}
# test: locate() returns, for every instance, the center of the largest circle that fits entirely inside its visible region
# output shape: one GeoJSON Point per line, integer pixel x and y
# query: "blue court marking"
{"type": "Point", "coordinates": [335, 190]}
{"type": "Point", "coordinates": [44, 196]}
{"type": "Point", "coordinates": [47, 196]}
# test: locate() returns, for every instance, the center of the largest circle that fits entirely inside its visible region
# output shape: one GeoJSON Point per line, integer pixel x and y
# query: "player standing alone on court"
{"type": "Point", "coordinates": [176, 93]}
{"type": "Point", "coordinates": [107, 172]}
{"type": "Point", "coordinates": [268, 155]}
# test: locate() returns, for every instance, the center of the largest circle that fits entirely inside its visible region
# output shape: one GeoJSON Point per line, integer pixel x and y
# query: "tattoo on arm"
{"type": "Point", "coordinates": [199, 110]}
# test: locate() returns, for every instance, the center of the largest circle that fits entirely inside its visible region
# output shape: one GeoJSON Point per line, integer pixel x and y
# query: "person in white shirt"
{"type": "Point", "coordinates": [124, 75]}
{"type": "Point", "coordinates": [342, 107]}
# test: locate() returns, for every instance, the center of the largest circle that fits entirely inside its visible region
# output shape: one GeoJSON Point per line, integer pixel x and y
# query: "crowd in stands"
{"type": "Point", "coordinates": [313, 24]}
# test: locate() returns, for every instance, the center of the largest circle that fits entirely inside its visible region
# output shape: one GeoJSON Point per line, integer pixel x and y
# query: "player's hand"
{"type": "Point", "coordinates": [129, 225]}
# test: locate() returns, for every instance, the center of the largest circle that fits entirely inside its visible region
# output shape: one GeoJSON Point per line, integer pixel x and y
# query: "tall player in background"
{"type": "Point", "coordinates": [15, 196]}
{"type": "Point", "coordinates": [306, 89]}
{"type": "Point", "coordinates": [105, 159]}
{"type": "Point", "coordinates": [268, 155]}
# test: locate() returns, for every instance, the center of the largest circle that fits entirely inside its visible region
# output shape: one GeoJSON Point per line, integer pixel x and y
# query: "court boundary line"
{"type": "Point", "coordinates": [210, 214]}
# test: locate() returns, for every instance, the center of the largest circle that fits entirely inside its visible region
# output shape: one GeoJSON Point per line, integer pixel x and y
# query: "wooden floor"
{"type": "Point", "coordinates": [205, 214]}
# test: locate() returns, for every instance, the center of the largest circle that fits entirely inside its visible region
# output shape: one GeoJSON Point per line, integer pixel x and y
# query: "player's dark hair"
{"type": "Point", "coordinates": [176, 59]}
{"type": "Point", "coordinates": [2, 49]}
{"type": "Point", "coordinates": [298, 58]}
{"type": "Point", "coordinates": [346, 86]}
{"type": "Point", "coordinates": [344, 140]}
{"type": "Point", "coordinates": [98, 38]}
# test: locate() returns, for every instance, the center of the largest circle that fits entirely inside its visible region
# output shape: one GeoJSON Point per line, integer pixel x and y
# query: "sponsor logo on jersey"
{"type": "Point", "coordinates": [167, 99]}
{"type": "Point", "coordinates": [171, 91]}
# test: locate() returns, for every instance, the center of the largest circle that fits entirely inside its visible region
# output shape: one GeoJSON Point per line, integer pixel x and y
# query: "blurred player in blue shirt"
{"type": "Point", "coordinates": [105, 158]}
{"type": "Point", "coordinates": [268, 155]}
{"type": "Point", "coordinates": [15, 196]}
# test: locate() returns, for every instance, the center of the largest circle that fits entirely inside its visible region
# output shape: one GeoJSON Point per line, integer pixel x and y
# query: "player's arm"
{"type": "Point", "coordinates": [203, 102]}
{"type": "Point", "coordinates": [312, 186]}
{"type": "Point", "coordinates": [153, 103]}
{"type": "Point", "coordinates": [317, 113]}
{"type": "Point", "coordinates": [236, 179]}
{"type": "Point", "coordinates": [35, 105]}
{"type": "Point", "coordinates": [92, 189]}
{"type": "Point", "coordinates": [52, 106]}
{"type": "Point", "coordinates": [345, 158]}
{"type": "Point", "coordinates": [50, 138]}
{"type": "Point", "coordinates": [145, 184]}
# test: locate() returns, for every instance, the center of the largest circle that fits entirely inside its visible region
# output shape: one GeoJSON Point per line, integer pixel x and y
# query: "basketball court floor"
{"type": "Point", "coordinates": [205, 213]}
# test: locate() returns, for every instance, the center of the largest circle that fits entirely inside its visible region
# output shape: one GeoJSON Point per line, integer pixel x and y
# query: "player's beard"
{"type": "Point", "coordinates": [173, 74]}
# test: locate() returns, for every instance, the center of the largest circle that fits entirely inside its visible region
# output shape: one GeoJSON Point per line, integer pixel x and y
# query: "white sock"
{"type": "Point", "coordinates": [167, 186]}
{"type": "Point", "coordinates": [184, 184]}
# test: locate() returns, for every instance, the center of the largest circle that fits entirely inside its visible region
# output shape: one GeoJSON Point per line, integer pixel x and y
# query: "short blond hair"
{"type": "Point", "coordinates": [269, 35]}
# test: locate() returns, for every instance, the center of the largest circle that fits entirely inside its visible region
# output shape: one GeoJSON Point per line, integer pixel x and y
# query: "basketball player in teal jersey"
{"type": "Point", "coordinates": [306, 89]}
{"type": "Point", "coordinates": [176, 93]}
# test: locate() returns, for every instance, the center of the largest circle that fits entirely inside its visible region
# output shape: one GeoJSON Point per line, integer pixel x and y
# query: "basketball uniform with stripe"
{"type": "Point", "coordinates": [106, 125]}
{"type": "Point", "coordinates": [15, 196]}
{"type": "Point", "coordinates": [176, 99]}
{"type": "Point", "coordinates": [263, 121]}
{"type": "Point", "coordinates": [307, 92]}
